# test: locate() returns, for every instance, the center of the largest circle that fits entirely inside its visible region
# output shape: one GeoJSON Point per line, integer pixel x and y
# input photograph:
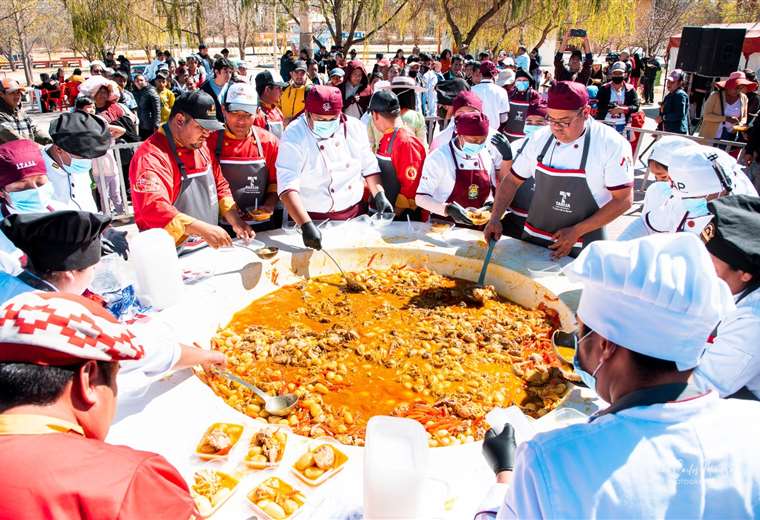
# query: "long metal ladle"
{"type": "Point", "coordinates": [351, 284]}
{"type": "Point", "coordinates": [279, 405]}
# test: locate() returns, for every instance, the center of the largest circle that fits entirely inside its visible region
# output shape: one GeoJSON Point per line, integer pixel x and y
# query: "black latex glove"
{"type": "Point", "coordinates": [114, 241]}
{"type": "Point", "coordinates": [311, 236]}
{"type": "Point", "coordinates": [488, 205]}
{"type": "Point", "coordinates": [458, 213]}
{"type": "Point", "coordinates": [382, 204]}
{"type": "Point", "coordinates": [501, 143]}
{"type": "Point", "coordinates": [499, 450]}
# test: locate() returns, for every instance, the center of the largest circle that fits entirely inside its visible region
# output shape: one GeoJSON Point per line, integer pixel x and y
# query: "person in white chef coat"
{"type": "Point", "coordinates": [660, 157]}
{"type": "Point", "coordinates": [731, 363]}
{"type": "Point", "coordinates": [498, 144]}
{"type": "Point", "coordinates": [461, 174]}
{"type": "Point", "coordinates": [583, 176]}
{"type": "Point", "coordinates": [664, 448]}
{"type": "Point", "coordinates": [323, 163]}
{"type": "Point", "coordinates": [495, 99]}
{"type": "Point", "coordinates": [696, 174]}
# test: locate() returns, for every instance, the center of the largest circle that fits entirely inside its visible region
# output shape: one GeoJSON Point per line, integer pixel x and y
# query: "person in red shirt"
{"type": "Point", "coordinates": [59, 356]}
{"type": "Point", "coordinates": [247, 155]}
{"type": "Point", "coordinates": [269, 116]}
{"type": "Point", "coordinates": [400, 155]}
{"type": "Point", "coordinates": [175, 184]}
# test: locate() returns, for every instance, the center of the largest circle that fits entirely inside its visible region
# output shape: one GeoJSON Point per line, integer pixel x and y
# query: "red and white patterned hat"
{"type": "Point", "coordinates": [61, 329]}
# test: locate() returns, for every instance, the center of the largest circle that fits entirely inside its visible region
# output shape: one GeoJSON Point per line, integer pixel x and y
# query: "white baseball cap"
{"type": "Point", "coordinates": [506, 76]}
{"type": "Point", "coordinates": [666, 146]}
{"type": "Point", "coordinates": [241, 97]}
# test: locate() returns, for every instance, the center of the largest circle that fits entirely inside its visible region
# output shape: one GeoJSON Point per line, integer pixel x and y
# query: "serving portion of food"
{"type": "Point", "coordinates": [266, 448]}
{"type": "Point", "coordinates": [210, 489]}
{"type": "Point", "coordinates": [276, 499]}
{"type": "Point", "coordinates": [319, 463]}
{"type": "Point", "coordinates": [258, 215]}
{"type": "Point", "coordinates": [479, 217]}
{"type": "Point", "coordinates": [218, 440]}
{"type": "Point", "coordinates": [413, 344]}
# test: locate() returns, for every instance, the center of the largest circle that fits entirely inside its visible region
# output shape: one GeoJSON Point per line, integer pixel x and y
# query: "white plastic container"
{"type": "Point", "coordinates": [396, 469]}
{"type": "Point", "coordinates": [159, 277]}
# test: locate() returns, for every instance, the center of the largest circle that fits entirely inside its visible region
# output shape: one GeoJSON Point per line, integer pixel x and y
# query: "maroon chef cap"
{"type": "Point", "coordinates": [537, 109]}
{"type": "Point", "coordinates": [488, 68]}
{"type": "Point", "coordinates": [567, 95]}
{"type": "Point", "coordinates": [472, 123]}
{"type": "Point", "coordinates": [467, 98]}
{"type": "Point", "coordinates": [20, 159]}
{"type": "Point", "coordinates": [324, 100]}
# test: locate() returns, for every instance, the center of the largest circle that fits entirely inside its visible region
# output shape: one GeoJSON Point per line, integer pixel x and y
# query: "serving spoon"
{"type": "Point", "coordinates": [279, 405]}
{"type": "Point", "coordinates": [351, 284]}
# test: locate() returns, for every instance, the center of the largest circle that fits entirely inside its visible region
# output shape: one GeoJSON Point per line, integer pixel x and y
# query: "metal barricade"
{"type": "Point", "coordinates": [101, 183]}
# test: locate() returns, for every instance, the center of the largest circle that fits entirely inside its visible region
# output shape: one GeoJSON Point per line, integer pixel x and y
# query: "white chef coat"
{"type": "Point", "coordinates": [495, 101]}
{"type": "Point", "coordinates": [609, 166]}
{"type": "Point", "coordinates": [73, 191]}
{"type": "Point", "coordinates": [732, 360]}
{"type": "Point", "coordinates": [429, 81]}
{"type": "Point", "coordinates": [685, 459]}
{"type": "Point", "coordinates": [439, 171]}
{"type": "Point", "coordinates": [328, 173]}
{"type": "Point", "coordinates": [447, 134]}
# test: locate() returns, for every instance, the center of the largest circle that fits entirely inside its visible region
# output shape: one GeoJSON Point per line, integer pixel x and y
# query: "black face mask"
{"type": "Point", "coordinates": [424, 69]}
{"type": "Point", "coordinates": [618, 80]}
{"type": "Point", "coordinates": [412, 73]}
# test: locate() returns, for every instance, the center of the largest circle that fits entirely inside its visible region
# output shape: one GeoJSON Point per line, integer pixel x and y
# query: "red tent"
{"type": "Point", "coordinates": [751, 39]}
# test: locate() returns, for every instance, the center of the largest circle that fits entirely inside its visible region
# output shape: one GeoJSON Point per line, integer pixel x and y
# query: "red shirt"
{"type": "Point", "coordinates": [67, 476]}
{"type": "Point", "coordinates": [407, 156]}
{"type": "Point", "coordinates": [155, 180]}
{"type": "Point", "coordinates": [246, 149]}
{"type": "Point", "coordinates": [265, 114]}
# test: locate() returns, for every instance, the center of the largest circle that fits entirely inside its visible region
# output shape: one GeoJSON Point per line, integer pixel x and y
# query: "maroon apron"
{"type": "Point", "coordinates": [360, 208]}
{"type": "Point", "coordinates": [518, 112]}
{"type": "Point", "coordinates": [471, 187]}
{"type": "Point", "coordinates": [561, 199]}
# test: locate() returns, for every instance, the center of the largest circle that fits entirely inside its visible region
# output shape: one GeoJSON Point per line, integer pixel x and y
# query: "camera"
{"type": "Point", "coordinates": [577, 33]}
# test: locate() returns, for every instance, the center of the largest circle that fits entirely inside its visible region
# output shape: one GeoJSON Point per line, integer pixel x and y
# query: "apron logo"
{"type": "Point", "coordinates": [519, 116]}
{"type": "Point", "coordinates": [472, 192]}
{"type": "Point", "coordinates": [252, 186]}
{"type": "Point", "coordinates": [562, 204]}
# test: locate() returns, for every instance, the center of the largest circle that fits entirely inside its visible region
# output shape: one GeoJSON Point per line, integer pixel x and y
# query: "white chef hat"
{"type": "Point", "coordinates": [658, 295]}
{"type": "Point", "coordinates": [696, 171]}
{"type": "Point", "coordinates": [666, 145]}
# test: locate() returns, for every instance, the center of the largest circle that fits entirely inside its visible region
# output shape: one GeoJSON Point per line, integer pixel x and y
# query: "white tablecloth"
{"type": "Point", "coordinates": [175, 411]}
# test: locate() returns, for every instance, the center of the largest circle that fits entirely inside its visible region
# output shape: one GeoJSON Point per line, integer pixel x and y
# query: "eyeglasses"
{"type": "Point", "coordinates": [564, 122]}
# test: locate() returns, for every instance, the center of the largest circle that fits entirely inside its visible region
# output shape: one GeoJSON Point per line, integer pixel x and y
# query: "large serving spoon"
{"type": "Point", "coordinates": [279, 405]}
{"type": "Point", "coordinates": [351, 284]}
{"type": "Point", "coordinates": [250, 274]}
{"type": "Point", "coordinates": [486, 261]}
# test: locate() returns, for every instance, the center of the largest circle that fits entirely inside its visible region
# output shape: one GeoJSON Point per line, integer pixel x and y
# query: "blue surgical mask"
{"type": "Point", "coordinates": [588, 379]}
{"type": "Point", "coordinates": [473, 148]}
{"type": "Point", "coordinates": [325, 129]}
{"type": "Point", "coordinates": [34, 200]}
{"type": "Point", "coordinates": [79, 166]}
{"type": "Point", "coordinates": [529, 130]}
{"type": "Point", "coordinates": [522, 86]}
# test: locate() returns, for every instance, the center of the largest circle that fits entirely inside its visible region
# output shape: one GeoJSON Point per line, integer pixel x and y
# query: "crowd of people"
{"type": "Point", "coordinates": [667, 322]}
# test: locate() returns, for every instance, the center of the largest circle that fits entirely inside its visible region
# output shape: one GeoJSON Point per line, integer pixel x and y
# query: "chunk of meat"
{"type": "Point", "coordinates": [218, 440]}
{"type": "Point", "coordinates": [324, 457]}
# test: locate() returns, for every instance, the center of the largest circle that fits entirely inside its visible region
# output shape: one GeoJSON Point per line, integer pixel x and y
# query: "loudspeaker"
{"type": "Point", "coordinates": [710, 51]}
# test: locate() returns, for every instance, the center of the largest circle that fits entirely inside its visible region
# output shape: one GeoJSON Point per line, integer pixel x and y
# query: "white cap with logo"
{"type": "Point", "coordinates": [241, 97]}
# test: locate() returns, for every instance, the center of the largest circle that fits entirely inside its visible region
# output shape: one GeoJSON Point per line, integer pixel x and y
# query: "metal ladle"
{"type": "Point", "coordinates": [351, 284]}
{"type": "Point", "coordinates": [280, 405]}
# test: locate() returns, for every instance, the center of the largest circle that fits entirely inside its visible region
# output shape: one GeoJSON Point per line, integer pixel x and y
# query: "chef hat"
{"type": "Point", "coordinates": [59, 329]}
{"type": "Point", "coordinates": [696, 171]}
{"type": "Point", "coordinates": [658, 295]}
{"type": "Point", "coordinates": [473, 124]}
{"type": "Point", "coordinates": [734, 233]}
{"type": "Point", "coordinates": [665, 146]}
{"type": "Point", "coordinates": [536, 109]}
{"type": "Point", "coordinates": [324, 100]}
{"type": "Point", "coordinates": [567, 95]}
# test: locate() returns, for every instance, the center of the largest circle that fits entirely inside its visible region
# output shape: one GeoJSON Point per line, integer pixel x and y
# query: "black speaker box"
{"type": "Point", "coordinates": [710, 51]}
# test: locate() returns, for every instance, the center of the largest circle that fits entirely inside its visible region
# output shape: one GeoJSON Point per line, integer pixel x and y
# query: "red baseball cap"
{"type": "Point", "coordinates": [567, 95]}
{"type": "Point", "coordinates": [20, 159]}
{"type": "Point", "coordinates": [472, 123]}
{"type": "Point", "coordinates": [324, 100]}
{"type": "Point", "coordinates": [467, 99]}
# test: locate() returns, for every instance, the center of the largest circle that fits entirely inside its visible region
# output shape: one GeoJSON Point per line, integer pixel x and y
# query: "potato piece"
{"type": "Point", "coordinates": [290, 506]}
{"type": "Point", "coordinates": [273, 509]}
{"type": "Point", "coordinates": [306, 460]}
{"type": "Point", "coordinates": [221, 496]}
{"type": "Point", "coordinates": [313, 473]}
{"type": "Point", "coordinates": [204, 505]}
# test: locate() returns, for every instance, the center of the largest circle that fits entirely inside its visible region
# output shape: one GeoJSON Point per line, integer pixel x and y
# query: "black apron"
{"type": "Point", "coordinates": [659, 394]}
{"type": "Point", "coordinates": [275, 127]}
{"type": "Point", "coordinates": [249, 182]}
{"type": "Point", "coordinates": [388, 175]}
{"type": "Point", "coordinates": [514, 221]}
{"type": "Point", "coordinates": [518, 112]}
{"type": "Point", "coordinates": [562, 198]}
{"type": "Point", "coordinates": [197, 197]}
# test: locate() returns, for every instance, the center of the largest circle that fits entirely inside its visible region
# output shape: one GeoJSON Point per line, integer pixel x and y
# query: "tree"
{"type": "Point", "coordinates": [664, 18]}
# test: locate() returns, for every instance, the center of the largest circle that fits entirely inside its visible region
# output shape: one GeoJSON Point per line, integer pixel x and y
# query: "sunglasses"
{"type": "Point", "coordinates": [566, 343]}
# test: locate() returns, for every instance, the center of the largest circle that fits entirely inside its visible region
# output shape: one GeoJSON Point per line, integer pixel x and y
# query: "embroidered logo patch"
{"type": "Point", "coordinates": [147, 182]}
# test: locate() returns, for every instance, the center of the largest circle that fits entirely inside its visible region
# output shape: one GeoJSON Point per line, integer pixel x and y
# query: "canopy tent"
{"type": "Point", "coordinates": [750, 51]}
